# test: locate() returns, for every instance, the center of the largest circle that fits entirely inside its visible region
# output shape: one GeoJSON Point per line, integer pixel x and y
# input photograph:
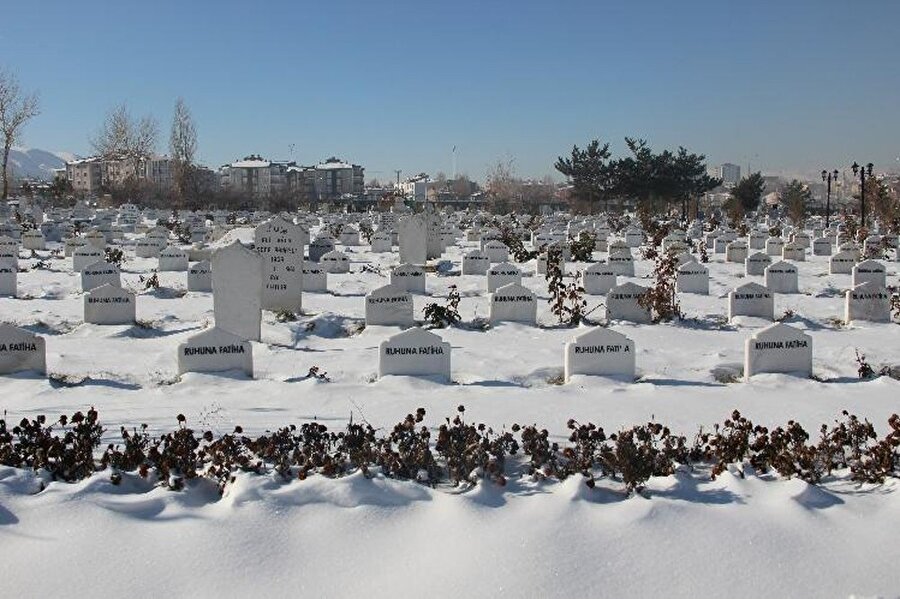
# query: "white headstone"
{"type": "Point", "coordinates": [598, 279]}
{"type": "Point", "coordinates": [513, 303]}
{"type": "Point", "coordinates": [33, 240]}
{"type": "Point", "coordinates": [21, 350]}
{"type": "Point", "coordinates": [412, 237]}
{"type": "Point", "coordinates": [335, 262]}
{"type": "Point", "coordinates": [8, 279]}
{"type": "Point", "coordinates": [778, 348]}
{"type": "Point", "coordinates": [389, 306]}
{"type": "Point", "coordinates": [100, 273]}
{"type": "Point", "coordinates": [409, 277]}
{"type": "Point", "coordinates": [794, 252]}
{"type": "Point", "coordinates": [85, 256]}
{"type": "Point", "coordinates": [867, 301]}
{"type": "Point", "coordinates": [109, 304]}
{"type": "Point", "coordinates": [215, 350]}
{"type": "Point", "coordinates": [475, 263]}
{"type": "Point", "coordinates": [280, 243]}
{"type": "Point", "coordinates": [496, 251]}
{"type": "Point", "coordinates": [502, 274]}
{"type": "Point", "coordinates": [755, 264]}
{"type": "Point", "coordinates": [736, 251]}
{"type": "Point", "coordinates": [173, 259]}
{"type": "Point", "coordinates": [320, 246]}
{"type": "Point", "coordinates": [774, 246]}
{"type": "Point", "coordinates": [751, 299]}
{"type": "Point", "coordinates": [781, 277]}
{"type": "Point", "coordinates": [621, 262]}
{"type": "Point", "coordinates": [602, 352]}
{"type": "Point", "coordinates": [822, 247]}
{"type": "Point", "coordinates": [381, 243]}
{"type": "Point", "coordinates": [414, 352]}
{"type": "Point", "coordinates": [622, 304]}
{"type": "Point", "coordinates": [315, 277]}
{"type": "Point", "coordinates": [237, 290]}
{"type": "Point", "coordinates": [199, 277]}
{"type": "Point", "coordinates": [842, 262]}
{"type": "Point", "coordinates": [692, 278]}
{"type": "Point", "coordinates": [869, 271]}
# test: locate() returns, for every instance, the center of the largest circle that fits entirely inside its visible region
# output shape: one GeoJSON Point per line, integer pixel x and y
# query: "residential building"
{"type": "Point", "coordinates": [335, 178]}
{"type": "Point", "coordinates": [86, 175]}
{"type": "Point", "coordinates": [254, 176]}
{"type": "Point", "coordinates": [729, 173]}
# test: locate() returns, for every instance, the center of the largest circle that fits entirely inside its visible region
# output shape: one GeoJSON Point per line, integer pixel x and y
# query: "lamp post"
{"type": "Point", "coordinates": [863, 172]}
{"type": "Point", "coordinates": [828, 178]}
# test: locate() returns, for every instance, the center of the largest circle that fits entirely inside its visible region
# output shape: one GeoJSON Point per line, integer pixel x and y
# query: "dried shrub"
{"type": "Point", "coordinates": [662, 299]}
{"type": "Point", "coordinates": [567, 302]}
{"type": "Point", "coordinates": [440, 317]}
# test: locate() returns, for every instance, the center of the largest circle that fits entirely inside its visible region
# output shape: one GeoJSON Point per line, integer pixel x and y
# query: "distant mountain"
{"type": "Point", "coordinates": [37, 164]}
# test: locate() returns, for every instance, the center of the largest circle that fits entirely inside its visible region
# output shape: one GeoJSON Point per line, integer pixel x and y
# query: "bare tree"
{"type": "Point", "coordinates": [183, 147]}
{"type": "Point", "coordinates": [121, 137]}
{"type": "Point", "coordinates": [503, 187]}
{"type": "Point", "coordinates": [16, 109]}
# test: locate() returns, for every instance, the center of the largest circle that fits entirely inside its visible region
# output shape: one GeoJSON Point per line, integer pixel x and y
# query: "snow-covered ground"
{"type": "Point", "coordinates": [686, 536]}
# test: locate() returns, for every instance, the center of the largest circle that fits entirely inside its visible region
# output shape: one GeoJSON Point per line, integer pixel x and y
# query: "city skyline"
{"type": "Point", "coordinates": [779, 88]}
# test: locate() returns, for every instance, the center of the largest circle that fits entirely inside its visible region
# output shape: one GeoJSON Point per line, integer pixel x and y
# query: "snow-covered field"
{"type": "Point", "coordinates": [686, 536]}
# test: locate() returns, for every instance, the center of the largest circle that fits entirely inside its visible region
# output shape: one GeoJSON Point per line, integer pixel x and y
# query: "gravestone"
{"type": "Point", "coordinates": [85, 256]}
{"type": "Point", "coordinates": [869, 271]}
{"type": "Point", "coordinates": [634, 237]}
{"type": "Point", "coordinates": [414, 352]}
{"type": "Point", "coordinates": [8, 279]}
{"type": "Point", "coordinates": [621, 262]}
{"type": "Point", "coordinates": [315, 277]}
{"type": "Point", "coordinates": [280, 243]}
{"type": "Point", "coordinates": [774, 246]}
{"type": "Point", "coordinates": [781, 277]}
{"type": "Point", "coordinates": [100, 273]}
{"type": "Point", "coordinates": [33, 240]}
{"type": "Point", "coordinates": [540, 266]}
{"type": "Point", "coordinates": [751, 299]}
{"type": "Point", "coordinates": [692, 278]}
{"type": "Point", "coordinates": [412, 236]}
{"type": "Point", "coordinates": [199, 277]}
{"type": "Point", "coordinates": [215, 350]}
{"type": "Point", "coordinates": [778, 348]}
{"type": "Point", "coordinates": [108, 305]}
{"type": "Point", "coordinates": [496, 251]}
{"type": "Point", "coordinates": [147, 248]}
{"type": "Point", "coordinates": [9, 251]}
{"type": "Point", "coordinates": [736, 251]}
{"type": "Point", "coordinates": [21, 350]}
{"type": "Point", "coordinates": [794, 252]}
{"type": "Point", "coordinates": [502, 274]}
{"type": "Point", "coordinates": [237, 290]}
{"type": "Point", "coordinates": [513, 303]}
{"type": "Point", "coordinates": [320, 246]}
{"type": "Point", "coordinates": [600, 352]}
{"type": "Point", "coordinates": [335, 262]}
{"type": "Point", "coordinates": [349, 237]}
{"type": "Point", "coordinates": [822, 247]}
{"type": "Point", "coordinates": [755, 264]}
{"type": "Point", "coordinates": [842, 262]}
{"type": "Point", "coordinates": [381, 243]}
{"type": "Point", "coordinates": [475, 263]}
{"type": "Point", "coordinates": [852, 248]}
{"type": "Point", "coordinates": [389, 306]}
{"type": "Point", "coordinates": [409, 277]}
{"type": "Point", "coordinates": [757, 240]}
{"type": "Point", "coordinates": [95, 238]}
{"type": "Point", "coordinates": [801, 238]}
{"type": "Point", "coordinates": [172, 259]}
{"type": "Point", "coordinates": [622, 304]}
{"type": "Point", "coordinates": [598, 279]}
{"type": "Point", "coordinates": [867, 301]}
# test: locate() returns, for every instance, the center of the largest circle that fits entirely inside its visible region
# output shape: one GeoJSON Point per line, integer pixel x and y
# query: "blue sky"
{"type": "Point", "coordinates": [786, 85]}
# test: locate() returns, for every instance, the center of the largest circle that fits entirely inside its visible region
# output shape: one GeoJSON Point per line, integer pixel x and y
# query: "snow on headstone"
{"type": "Point", "coordinates": [100, 273]}
{"type": "Point", "coordinates": [794, 252]}
{"type": "Point", "coordinates": [412, 238]}
{"type": "Point", "coordinates": [867, 301]}
{"type": "Point", "coordinates": [21, 350]}
{"type": "Point", "coordinates": [778, 348]}
{"type": "Point", "coordinates": [869, 271]}
{"type": "Point", "coordinates": [237, 290]}
{"type": "Point", "coordinates": [215, 350]}
{"type": "Point", "coordinates": [751, 299]}
{"type": "Point", "coordinates": [601, 352]}
{"type": "Point", "coordinates": [513, 303]}
{"type": "Point", "coordinates": [389, 306]}
{"type": "Point", "coordinates": [315, 277]}
{"type": "Point", "coordinates": [781, 277]}
{"type": "Point", "coordinates": [414, 352]}
{"type": "Point", "coordinates": [109, 304]}
{"type": "Point", "coordinates": [692, 278]}
{"type": "Point", "coordinates": [199, 277]}
{"type": "Point", "coordinates": [280, 243]}
{"type": "Point", "coordinates": [622, 304]}
{"type": "Point", "coordinates": [172, 259]}
{"type": "Point", "coordinates": [774, 246]}
{"type": "Point", "coordinates": [409, 277]}
{"type": "Point", "coordinates": [502, 274]}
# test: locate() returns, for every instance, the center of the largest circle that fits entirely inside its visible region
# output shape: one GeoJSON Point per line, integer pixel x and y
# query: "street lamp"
{"type": "Point", "coordinates": [828, 177]}
{"type": "Point", "coordinates": [863, 172]}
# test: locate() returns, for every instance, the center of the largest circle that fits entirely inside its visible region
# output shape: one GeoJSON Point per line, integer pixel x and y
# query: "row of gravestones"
{"type": "Point", "coordinates": [778, 348]}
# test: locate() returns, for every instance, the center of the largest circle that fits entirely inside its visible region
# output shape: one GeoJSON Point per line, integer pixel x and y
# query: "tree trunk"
{"type": "Point", "coordinates": [5, 166]}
